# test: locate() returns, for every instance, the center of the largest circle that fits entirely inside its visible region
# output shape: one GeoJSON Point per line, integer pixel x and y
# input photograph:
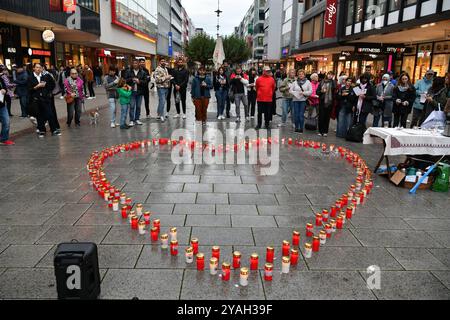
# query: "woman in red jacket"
{"type": "Point", "coordinates": [265, 87]}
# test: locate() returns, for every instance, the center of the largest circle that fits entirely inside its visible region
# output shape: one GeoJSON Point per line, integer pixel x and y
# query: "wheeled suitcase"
{"type": "Point", "coordinates": [76, 270]}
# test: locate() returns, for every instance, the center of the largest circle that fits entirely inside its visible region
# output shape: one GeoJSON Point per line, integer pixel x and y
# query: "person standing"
{"type": "Point", "coordinates": [61, 78]}
{"type": "Point", "coordinates": [422, 86]}
{"type": "Point", "coordinates": [200, 93]}
{"type": "Point", "coordinates": [227, 72]}
{"type": "Point", "coordinates": [4, 117]}
{"type": "Point", "coordinates": [180, 83]}
{"type": "Point", "coordinates": [301, 90]}
{"type": "Point", "coordinates": [137, 79]}
{"type": "Point", "coordinates": [385, 90]}
{"type": "Point", "coordinates": [238, 85]}
{"type": "Point", "coordinates": [74, 97]}
{"type": "Point", "coordinates": [287, 96]}
{"type": "Point", "coordinates": [265, 87]}
{"type": "Point", "coordinates": [110, 83]}
{"type": "Point", "coordinates": [169, 92]}
{"type": "Point", "coordinates": [221, 87]}
{"type": "Point", "coordinates": [327, 95]}
{"type": "Point", "coordinates": [347, 99]}
{"type": "Point", "coordinates": [403, 96]}
{"type": "Point", "coordinates": [251, 91]}
{"type": "Point", "coordinates": [40, 87]}
{"type": "Point", "coordinates": [437, 96]}
{"type": "Point", "coordinates": [163, 82]}
{"type": "Point", "coordinates": [98, 74]}
{"type": "Point", "coordinates": [145, 89]}
{"type": "Point", "coordinates": [89, 76]}
{"type": "Point", "coordinates": [9, 86]}
{"type": "Point", "coordinates": [314, 98]}
{"type": "Point", "coordinates": [124, 92]}
{"type": "Point", "coordinates": [21, 82]}
{"type": "Point", "coordinates": [365, 94]}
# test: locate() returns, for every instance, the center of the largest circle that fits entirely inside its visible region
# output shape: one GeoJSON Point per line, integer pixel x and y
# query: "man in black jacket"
{"type": "Point", "coordinates": [40, 87]}
{"type": "Point", "coordinates": [180, 82]}
{"type": "Point", "coordinates": [145, 89]}
{"type": "Point", "coordinates": [137, 79]}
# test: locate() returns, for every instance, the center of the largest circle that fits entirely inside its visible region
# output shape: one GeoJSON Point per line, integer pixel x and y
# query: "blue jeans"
{"type": "Point", "coordinates": [23, 105]}
{"type": "Point", "coordinates": [287, 106]}
{"type": "Point", "coordinates": [162, 98]}
{"type": "Point", "coordinates": [98, 80]}
{"type": "Point", "coordinates": [221, 96]}
{"type": "Point", "coordinates": [299, 114]}
{"type": "Point", "coordinates": [135, 109]}
{"type": "Point", "coordinates": [4, 120]}
{"type": "Point", "coordinates": [124, 109]}
{"type": "Point", "coordinates": [376, 119]}
{"type": "Point", "coordinates": [112, 109]}
{"type": "Point", "coordinates": [344, 122]}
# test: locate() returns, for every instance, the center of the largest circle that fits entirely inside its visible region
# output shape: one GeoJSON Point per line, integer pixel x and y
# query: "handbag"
{"type": "Point", "coordinates": [311, 123]}
{"type": "Point", "coordinates": [356, 132]}
{"type": "Point", "coordinates": [231, 95]}
{"type": "Point", "coordinates": [69, 99]}
{"type": "Point", "coordinates": [435, 119]}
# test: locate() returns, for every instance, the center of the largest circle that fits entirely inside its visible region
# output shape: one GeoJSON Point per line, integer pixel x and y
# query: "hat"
{"type": "Point", "coordinates": [386, 76]}
{"type": "Point", "coordinates": [430, 71]}
{"type": "Point", "coordinates": [266, 68]}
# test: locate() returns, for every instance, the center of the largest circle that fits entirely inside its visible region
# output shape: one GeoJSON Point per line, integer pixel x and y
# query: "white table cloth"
{"type": "Point", "coordinates": [409, 141]}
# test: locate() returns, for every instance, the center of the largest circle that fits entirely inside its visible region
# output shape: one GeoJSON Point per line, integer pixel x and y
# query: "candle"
{"type": "Point", "coordinates": [194, 244]}
{"type": "Point", "coordinates": [295, 238]}
{"type": "Point", "coordinates": [355, 202]}
{"type": "Point", "coordinates": [213, 264]}
{"type": "Point", "coordinates": [339, 222]}
{"type": "Point", "coordinates": [115, 205]}
{"type": "Point", "coordinates": [189, 253]}
{"type": "Point", "coordinates": [134, 222]}
{"type": "Point", "coordinates": [309, 230]}
{"type": "Point", "coordinates": [141, 227]}
{"type": "Point", "coordinates": [216, 252]}
{"type": "Point", "coordinates": [124, 212]}
{"type": "Point", "coordinates": [164, 241]}
{"type": "Point", "coordinates": [268, 272]}
{"type": "Point", "coordinates": [361, 197]}
{"type": "Point", "coordinates": [333, 211]}
{"type": "Point", "coordinates": [316, 244]}
{"type": "Point", "coordinates": [128, 202]}
{"type": "Point", "coordinates": [318, 220]}
{"type": "Point", "coordinates": [308, 250]}
{"type": "Point", "coordinates": [106, 195]}
{"type": "Point", "coordinates": [226, 272]}
{"type": "Point", "coordinates": [110, 201]}
{"type": "Point", "coordinates": [147, 217]}
{"type": "Point", "coordinates": [139, 209]}
{"type": "Point", "coordinates": [123, 198]}
{"type": "Point", "coordinates": [200, 261]}
{"type": "Point", "coordinates": [333, 225]}
{"type": "Point", "coordinates": [173, 234]}
{"type": "Point", "coordinates": [243, 279]}
{"type": "Point", "coordinates": [328, 229]}
{"type": "Point", "coordinates": [254, 261]}
{"type": "Point", "coordinates": [154, 234]}
{"type": "Point", "coordinates": [130, 216]}
{"type": "Point", "coordinates": [349, 212]}
{"type": "Point", "coordinates": [323, 237]}
{"type": "Point", "coordinates": [294, 257]}
{"type": "Point", "coordinates": [285, 264]}
{"type": "Point", "coordinates": [325, 215]}
{"type": "Point", "coordinates": [157, 224]}
{"type": "Point", "coordinates": [285, 248]}
{"type": "Point", "coordinates": [174, 247]}
{"type": "Point", "coordinates": [338, 204]}
{"type": "Point", "coordinates": [236, 260]}
{"type": "Point", "coordinates": [344, 199]}
{"type": "Point", "coordinates": [270, 252]}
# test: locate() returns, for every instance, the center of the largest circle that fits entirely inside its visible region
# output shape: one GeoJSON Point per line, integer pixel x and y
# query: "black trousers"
{"type": "Point", "coordinates": [324, 118]}
{"type": "Point", "coordinates": [91, 88]}
{"type": "Point", "coordinates": [182, 92]}
{"type": "Point", "coordinates": [266, 109]}
{"type": "Point", "coordinates": [45, 114]}
{"type": "Point", "coordinates": [8, 103]}
{"type": "Point", "coordinates": [169, 95]}
{"type": "Point", "coordinates": [400, 118]}
{"type": "Point", "coordinates": [146, 94]}
{"type": "Point", "coordinates": [74, 107]}
{"type": "Point", "coordinates": [252, 102]}
{"type": "Point", "coordinates": [55, 114]}
{"type": "Point", "coordinates": [228, 108]}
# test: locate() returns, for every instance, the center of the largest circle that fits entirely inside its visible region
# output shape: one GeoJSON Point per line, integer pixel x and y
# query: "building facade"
{"type": "Point", "coordinates": [273, 13]}
{"type": "Point", "coordinates": [170, 28]}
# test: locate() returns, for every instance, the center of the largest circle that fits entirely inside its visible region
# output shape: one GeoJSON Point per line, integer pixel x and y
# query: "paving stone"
{"type": "Point", "coordinates": [203, 209]}
{"type": "Point", "coordinates": [171, 198]}
{"type": "Point", "coordinates": [58, 234]}
{"type": "Point", "coordinates": [153, 187]}
{"type": "Point", "coordinates": [252, 221]}
{"type": "Point", "coordinates": [267, 180]}
{"type": "Point", "coordinates": [68, 215]}
{"type": "Point", "coordinates": [441, 237]}
{"type": "Point", "coordinates": [308, 189]}
{"type": "Point", "coordinates": [285, 199]}
{"type": "Point", "coordinates": [148, 284]}
{"type": "Point", "coordinates": [173, 179]}
{"type": "Point", "coordinates": [443, 276]}
{"type": "Point", "coordinates": [32, 216]}
{"type": "Point", "coordinates": [402, 211]}
{"type": "Point", "coordinates": [67, 197]}
{"type": "Point", "coordinates": [198, 187]}
{"type": "Point", "coordinates": [22, 256]}
{"type": "Point", "coordinates": [235, 188]}
{"type": "Point", "coordinates": [395, 238]}
{"type": "Point", "coordinates": [294, 221]}
{"type": "Point", "coordinates": [361, 221]}
{"type": "Point", "coordinates": [429, 224]}
{"type": "Point", "coordinates": [209, 198]}
{"type": "Point", "coordinates": [23, 234]}
{"type": "Point", "coordinates": [124, 235]}
{"type": "Point", "coordinates": [416, 259]}
{"type": "Point", "coordinates": [411, 285]}
{"type": "Point", "coordinates": [236, 209]}
{"type": "Point", "coordinates": [209, 221]}
{"type": "Point", "coordinates": [289, 210]}
{"type": "Point", "coordinates": [442, 255]}
{"type": "Point", "coordinates": [223, 236]}
{"type": "Point", "coordinates": [222, 179]}
{"type": "Point", "coordinates": [19, 283]}
{"type": "Point", "coordinates": [259, 199]}
{"type": "Point", "coordinates": [272, 188]}
{"type": "Point", "coordinates": [317, 285]}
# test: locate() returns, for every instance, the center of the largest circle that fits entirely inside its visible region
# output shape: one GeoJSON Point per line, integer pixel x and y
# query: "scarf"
{"type": "Point", "coordinates": [329, 92]}
{"type": "Point", "coordinates": [74, 86]}
{"type": "Point", "coordinates": [360, 99]}
{"type": "Point", "coordinates": [401, 88]}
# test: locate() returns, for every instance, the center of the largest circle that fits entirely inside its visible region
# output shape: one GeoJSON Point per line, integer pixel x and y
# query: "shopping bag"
{"type": "Point", "coordinates": [441, 184]}
{"type": "Point", "coordinates": [435, 119]}
{"type": "Point", "coordinates": [311, 123]}
{"type": "Point", "coordinates": [356, 132]}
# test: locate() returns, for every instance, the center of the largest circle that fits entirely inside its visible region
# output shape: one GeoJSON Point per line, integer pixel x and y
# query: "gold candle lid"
{"type": "Point", "coordinates": [215, 248]}
{"type": "Point", "coordinates": [156, 221]}
{"type": "Point", "coordinates": [285, 260]}
{"type": "Point", "coordinates": [213, 261]}
{"type": "Point", "coordinates": [285, 243]}
{"type": "Point", "coordinates": [174, 242]}
{"type": "Point", "coordinates": [147, 213]}
{"type": "Point", "coordinates": [315, 238]}
{"type": "Point", "coordinates": [164, 236]}
{"type": "Point", "coordinates": [294, 251]}
{"type": "Point", "coordinates": [296, 233]}
{"type": "Point", "coordinates": [318, 215]}
{"type": "Point", "coordinates": [308, 246]}
{"type": "Point", "coordinates": [173, 230]}
{"type": "Point", "coordinates": [200, 256]}
{"type": "Point", "coordinates": [142, 223]}
{"type": "Point", "coordinates": [237, 254]}
{"type": "Point", "coordinates": [270, 249]}
{"type": "Point", "coordinates": [226, 265]}
{"type": "Point", "coordinates": [323, 233]}
{"type": "Point", "coordinates": [268, 266]}
{"type": "Point", "coordinates": [189, 250]}
{"type": "Point", "coordinates": [254, 256]}
{"type": "Point", "coordinates": [194, 240]}
{"type": "Point", "coordinates": [244, 271]}
{"type": "Point", "coordinates": [139, 205]}
{"type": "Point", "coordinates": [309, 225]}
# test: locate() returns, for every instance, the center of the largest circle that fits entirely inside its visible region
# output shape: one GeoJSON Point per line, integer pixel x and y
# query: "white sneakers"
{"type": "Point", "coordinates": [113, 125]}
{"type": "Point", "coordinates": [163, 119]}
{"type": "Point", "coordinates": [131, 124]}
{"type": "Point", "coordinates": [282, 125]}
{"type": "Point", "coordinates": [184, 116]}
{"type": "Point", "coordinates": [247, 119]}
{"type": "Point", "coordinates": [221, 117]}
{"type": "Point", "coordinates": [176, 116]}
{"type": "Point", "coordinates": [139, 123]}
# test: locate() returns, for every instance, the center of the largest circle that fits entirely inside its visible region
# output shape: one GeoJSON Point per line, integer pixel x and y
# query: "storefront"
{"type": "Point", "coordinates": [313, 63]}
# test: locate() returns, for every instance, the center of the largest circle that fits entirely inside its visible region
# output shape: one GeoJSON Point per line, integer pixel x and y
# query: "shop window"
{"type": "Point", "coordinates": [317, 28]}
{"type": "Point", "coordinates": [24, 37]}
{"type": "Point", "coordinates": [440, 64]}
{"type": "Point", "coordinates": [307, 31]}
{"type": "Point", "coordinates": [350, 6]}
{"type": "Point", "coordinates": [408, 65]}
{"type": "Point", "coordinates": [394, 5]}
{"type": "Point", "coordinates": [423, 60]}
{"type": "Point", "coordinates": [35, 39]}
{"type": "Point", "coordinates": [359, 10]}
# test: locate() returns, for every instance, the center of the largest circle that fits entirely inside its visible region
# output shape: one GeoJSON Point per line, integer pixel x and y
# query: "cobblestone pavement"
{"type": "Point", "coordinates": [45, 199]}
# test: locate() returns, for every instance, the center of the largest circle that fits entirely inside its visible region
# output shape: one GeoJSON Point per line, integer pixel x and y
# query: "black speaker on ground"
{"type": "Point", "coordinates": [76, 270]}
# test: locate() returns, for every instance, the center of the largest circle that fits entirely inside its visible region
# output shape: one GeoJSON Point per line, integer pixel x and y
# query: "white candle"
{"type": "Point", "coordinates": [285, 265]}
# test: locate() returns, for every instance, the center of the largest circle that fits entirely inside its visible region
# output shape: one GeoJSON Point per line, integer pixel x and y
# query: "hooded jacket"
{"type": "Point", "coordinates": [421, 87]}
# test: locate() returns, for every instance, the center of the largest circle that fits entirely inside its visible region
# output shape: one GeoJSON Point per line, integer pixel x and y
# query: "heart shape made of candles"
{"type": "Point", "coordinates": [329, 220]}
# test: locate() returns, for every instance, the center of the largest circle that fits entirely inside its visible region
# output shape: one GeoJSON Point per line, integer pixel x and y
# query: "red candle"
{"type": "Point", "coordinates": [128, 202]}
{"type": "Point", "coordinates": [294, 257]}
{"type": "Point", "coordinates": [268, 272]}
{"type": "Point", "coordinates": [154, 233]}
{"type": "Point", "coordinates": [318, 220]}
{"type": "Point", "coordinates": [174, 247]}
{"type": "Point", "coordinates": [339, 222]}
{"type": "Point", "coordinates": [333, 212]}
{"type": "Point", "coordinates": [134, 222]}
{"type": "Point", "coordinates": [309, 230]}
{"type": "Point", "coordinates": [226, 272]}
{"type": "Point", "coordinates": [216, 252]}
{"type": "Point", "coordinates": [316, 244]}
{"type": "Point", "coordinates": [124, 212]}
{"type": "Point", "coordinates": [157, 224]}
{"type": "Point", "coordinates": [194, 245]}
{"type": "Point", "coordinates": [295, 238]}
{"type": "Point", "coordinates": [329, 230]}
{"type": "Point", "coordinates": [200, 261]}
{"type": "Point", "coordinates": [361, 197]}
{"type": "Point", "coordinates": [236, 260]}
{"type": "Point", "coordinates": [325, 215]}
{"type": "Point", "coordinates": [147, 217]}
{"type": "Point", "coordinates": [349, 212]}
{"type": "Point", "coordinates": [254, 261]}
{"type": "Point", "coordinates": [344, 199]}
{"type": "Point", "coordinates": [339, 204]}
{"type": "Point", "coordinates": [285, 248]}
{"type": "Point", "coordinates": [270, 251]}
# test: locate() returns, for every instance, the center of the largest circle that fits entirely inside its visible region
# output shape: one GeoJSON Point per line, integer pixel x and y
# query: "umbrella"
{"type": "Point", "coordinates": [219, 54]}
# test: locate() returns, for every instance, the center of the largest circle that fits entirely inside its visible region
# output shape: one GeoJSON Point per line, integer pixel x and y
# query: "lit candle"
{"type": "Point", "coordinates": [147, 217]}
{"type": "Point", "coordinates": [328, 229]}
{"type": "Point", "coordinates": [316, 244]}
{"type": "Point", "coordinates": [308, 250]}
{"type": "Point", "coordinates": [339, 222]}
{"type": "Point", "coordinates": [268, 272]}
{"type": "Point", "coordinates": [338, 204]}
{"type": "Point", "coordinates": [164, 241]}
{"type": "Point", "coordinates": [124, 212]}
{"type": "Point", "coordinates": [333, 225]}
{"type": "Point", "coordinates": [173, 234]}
{"type": "Point", "coordinates": [213, 264]}
{"type": "Point", "coordinates": [174, 247]}
{"type": "Point", "coordinates": [115, 205]}
{"type": "Point", "coordinates": [285, 264]}
{"type": "Point", "coordinates": [123, 198]}
{"type": "Point", "coordinates": [226, 272]}
{"type": "Point", "coordinates": [194, 244]}
{"type": "Point", "coordinates": [106, 195]}
{"type": "Point", "coordinates": [139, 209]}
{"type": "Point", "coordinates": [189, 255]}
{"type": "Point", "coordinates": [309, 230]}
{"type": "Point", "coordinates": [141, 227]}
{"type": "Point", "coordinates": [157, 224]}
{"type": "Point", "coordinates": [318, 220]}
{"type": "Point", "coordinates": [325, 215]}
{"type": "Point", "coordinates": [294, 257]}
{"type": "Point", "coordinates": [333, 211]}
{"type": "Point", "coordinates": [285, 248]}
{"type": "Point", "coordinates": [128, 202]}
{"type": "Point", "coordinates": [243, 279]}
{"type": "Point", "coordinates": [216, 252]}
{"type": "Point", "coordinates": [236, 260]}
{"type": "Point", "coordinates": [254, 261]}
{"type": "Point", "coordinates": [295, 238]}
{"type": "Point", "coordinates": [200, 261]}
{"type": "Point", "coordinates": [349, 212]}
{"type": "Point", "coordinates": [134, 222]}
{"type": "Point", "coordinates": [270, 252]}
{"type": "Point", "coordinates": [110, 201]}
{"type": "Point", "coordinates": [154, 232]}
{"type": "Point", "coordinates": [361, 197]}
{"type": "Point", "coordinates": [323, 237]}
{"type": "Point", "coordinates": [344, 199]}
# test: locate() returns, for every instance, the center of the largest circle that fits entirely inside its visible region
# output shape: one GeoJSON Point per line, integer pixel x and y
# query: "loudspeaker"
{"type": "Point", "coordinates": [76, 270]}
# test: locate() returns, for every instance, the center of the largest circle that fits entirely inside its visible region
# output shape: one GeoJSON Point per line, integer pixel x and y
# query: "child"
{"type": "Point", "coordinates": [124, 92]}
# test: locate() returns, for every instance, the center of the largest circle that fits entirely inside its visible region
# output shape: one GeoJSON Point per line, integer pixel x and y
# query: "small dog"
{"type": "Point", "coordinates": [94, 116]}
